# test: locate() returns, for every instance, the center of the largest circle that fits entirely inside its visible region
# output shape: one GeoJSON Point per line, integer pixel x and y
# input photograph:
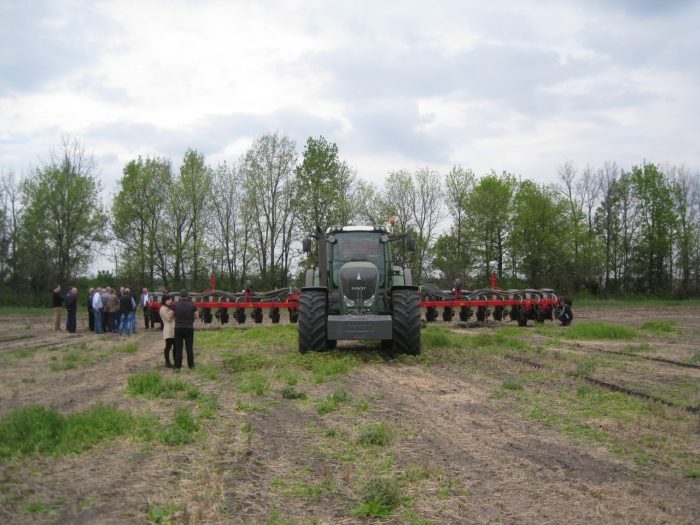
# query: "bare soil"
{"type": "Point", "coordinates": [480, 458]}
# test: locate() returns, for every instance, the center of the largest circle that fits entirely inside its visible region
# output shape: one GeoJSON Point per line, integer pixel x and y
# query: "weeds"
{"type": "Point", "coordinates": [183, 430]}
{"type": "Point", "coordinates": [599, 331]}
{"type": "Point", "coordinates": [161, 515]}
{"type": "Point", "coordinates": [380, 497]}
{"type": "Point", "coordinates": [153, 384]}
{"type": "Point", "coordinates": [290, 393]}
{"type": "Point", "coordinates": [41, 430]}
{"type": "Point", "coordinates": [331, 403]}
{"type": "Point", "coordinates": [375, 435]}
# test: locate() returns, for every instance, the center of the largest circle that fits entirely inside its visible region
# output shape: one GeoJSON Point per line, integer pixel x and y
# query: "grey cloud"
{"type": "Point", "coordinates": [45, 40]}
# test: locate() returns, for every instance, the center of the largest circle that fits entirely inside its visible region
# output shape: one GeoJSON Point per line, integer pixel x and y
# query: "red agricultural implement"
{"type": "Point", "coordinates": [500, 305]}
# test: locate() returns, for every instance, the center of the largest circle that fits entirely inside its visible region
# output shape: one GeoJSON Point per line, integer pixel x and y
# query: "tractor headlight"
{"type": "Point", "coordinates": [350, 303]}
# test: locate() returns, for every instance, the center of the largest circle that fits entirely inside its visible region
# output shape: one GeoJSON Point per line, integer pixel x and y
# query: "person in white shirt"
{"type": "Point", "coordinates": [97, 310]}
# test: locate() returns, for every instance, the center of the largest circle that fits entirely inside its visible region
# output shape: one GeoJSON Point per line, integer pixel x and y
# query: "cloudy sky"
{"type": "Point", "coordinates": [519, 86]}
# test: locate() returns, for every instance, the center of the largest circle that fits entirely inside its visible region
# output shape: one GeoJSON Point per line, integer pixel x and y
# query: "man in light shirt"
{"type": "Point", "coordinates": [97, 310]}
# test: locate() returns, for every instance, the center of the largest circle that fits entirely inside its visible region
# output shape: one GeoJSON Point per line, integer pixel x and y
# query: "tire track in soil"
{"type": "Point", "coordinates": [612, 387]}
{"type": "Point", "coordinates": [490, 452]}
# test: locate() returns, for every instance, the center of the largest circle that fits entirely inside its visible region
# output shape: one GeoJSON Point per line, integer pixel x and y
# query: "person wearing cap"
{"type": "Point", "coordinates": [184, 329]}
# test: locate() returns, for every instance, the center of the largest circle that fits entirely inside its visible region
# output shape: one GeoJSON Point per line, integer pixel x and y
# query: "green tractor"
{"type": "Point", "coordinates": [355, 292]}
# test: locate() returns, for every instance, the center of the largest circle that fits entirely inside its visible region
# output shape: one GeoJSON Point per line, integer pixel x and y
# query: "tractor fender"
{"type": "Point", "coordinates": [403, 287]}
{"type": "Point", "coordinates": [315, 289]}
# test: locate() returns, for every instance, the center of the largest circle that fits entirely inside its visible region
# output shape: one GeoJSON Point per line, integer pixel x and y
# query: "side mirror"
{"type": "Point", "coordinates": [306, 244]}
{"type": "Point", "coordinates": [411, 244]}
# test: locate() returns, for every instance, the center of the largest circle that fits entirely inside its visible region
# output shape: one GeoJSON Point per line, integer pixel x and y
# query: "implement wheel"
{"type": "Point", "coordinates": [240, 315]}
{"type": "Point", "coordinates": [257, 315]}
{"type": "Point", "coordinates": [275, 315]}
{"type": "Point", "coordinates": [293, 315]}
{"type": "Point", "coordinates": [430, 314]}
{"type": "Point", "coordinates": [406, 321]}
{"type": "Point", "coordinates": [313, 318]}
{"type": "Point", "coordinates": [522, 316]}
{"type": "Point", "coordinates": [447, 314]}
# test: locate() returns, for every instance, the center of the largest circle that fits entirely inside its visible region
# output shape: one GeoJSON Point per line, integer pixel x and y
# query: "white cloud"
{"type": "Point", "coordinates": [396, 84]}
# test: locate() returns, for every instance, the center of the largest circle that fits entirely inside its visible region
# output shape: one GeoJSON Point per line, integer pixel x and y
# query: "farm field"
{"type": "Point", "coordinates": [598, 422]}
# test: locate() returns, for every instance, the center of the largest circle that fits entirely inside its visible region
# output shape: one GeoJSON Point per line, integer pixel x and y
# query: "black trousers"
{"type": "Point", "coordinates": [91, 319]}
{"type": "Point", "coordinates": [170, 344]}
{"type": "Point", "coordinates": [147, 319]}
{"type": "Point", "coordinates": [184, 336]}
{"type": "Point", "coordinates": [71, 322]}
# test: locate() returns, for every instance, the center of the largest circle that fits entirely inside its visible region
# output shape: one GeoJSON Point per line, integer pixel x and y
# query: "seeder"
{"type": "Point", "coordinates": [517, 305]}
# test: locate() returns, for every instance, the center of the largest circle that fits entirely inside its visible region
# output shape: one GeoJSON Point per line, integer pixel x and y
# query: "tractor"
{"type": "Point", "coordinates": [357, 292]}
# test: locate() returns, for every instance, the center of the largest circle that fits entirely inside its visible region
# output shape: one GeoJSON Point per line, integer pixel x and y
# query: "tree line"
{"type": "Point", "coordinates": [606, 231]}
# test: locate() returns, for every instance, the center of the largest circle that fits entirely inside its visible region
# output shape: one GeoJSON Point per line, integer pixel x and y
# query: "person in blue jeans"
{"type": "Point", "coordinates": [97, 311]}
{"type": "Point", "coordinates": [126, 306]}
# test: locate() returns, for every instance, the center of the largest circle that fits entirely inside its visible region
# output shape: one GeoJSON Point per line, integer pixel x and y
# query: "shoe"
{"type": "Point", "coordinates": [168, 365]}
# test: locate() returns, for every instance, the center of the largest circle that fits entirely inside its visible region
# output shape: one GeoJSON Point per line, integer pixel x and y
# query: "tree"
{"type": "Point", "coordinates": [658, 222]}
{"type": "Point", "coordinates": [323, 187]}
{"type": "Point", "coordinates": [426, 210]}
{"type": "Point", "coordinates": [490, 204]}
{"type": "Point", "coordinates": [194, 188]}
{"type": "Point", "coordinates": [267, 170]}
{"type": "Point", "coordinates": [539, 233]}
{"type": "Point", "coordinates": [63, 219]}
{"type": "Point", "coordinates": [138, 212]}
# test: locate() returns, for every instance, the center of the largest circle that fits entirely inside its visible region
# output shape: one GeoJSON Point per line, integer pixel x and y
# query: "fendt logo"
{"type": "Point", "coordinates": [358, 288]}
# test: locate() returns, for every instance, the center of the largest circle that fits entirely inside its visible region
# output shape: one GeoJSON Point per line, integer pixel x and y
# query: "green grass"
{"type": "Point", "coordinates": [17, 311]}
{"type": "Point", "coordinates": [40, 430]}
{"type": "Point", "coordinates": [129, 348]}
{"type": "Point", "coordinates": [183, 430]}
{"type": "Point", "coordinates": [512, 383]}
{"type": "Point", "coordinates": [593, 330]}
{"type": "Point", "coordinates": [380, 497]}
{"type": "Point", "coordinates": [659, 326]}
{"type": "Point", "coordinates": [332, 402]}
{"type": "Point", "coordinates": [153, 384]}
{"type": "Point", "coordinates": [289, 392]}
{"type": "Point", "coordinates": [162, 514]}
{"type": "Point", "coordinates": [379, 435]}
{"type": "Point", "coordinates": [36, 507]}
{"type": "Point", "coordinates": [620, 303]}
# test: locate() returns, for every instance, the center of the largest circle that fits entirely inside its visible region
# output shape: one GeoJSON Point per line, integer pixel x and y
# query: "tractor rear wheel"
{"type": "Point", "coordinates": [406, 321]}
{"type": "Point", "coordinates": [313, 318]}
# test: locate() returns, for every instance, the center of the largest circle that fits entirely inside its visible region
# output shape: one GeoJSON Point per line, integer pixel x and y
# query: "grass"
{"type": "Point", "coordinates": [161, 515]}
{"type": "Point", "coordinates": [40, 430]}
{"type": "Point", "coordinates": [332, 402]}
{"type": "Point", "coordinates": [152, 385]}
{"type": "Point", "coordinates": [380, 496]}
{"type": "Point", "coordinates": [184, 428]}
{"type": "Point", "coordinates": [593, 331]}
{"type": "Point", "coordinates": [129, 348]}
{"type": "Point", "coordinates": [379, 435]}
{"type": "Point", "coordinates": [659, 326]}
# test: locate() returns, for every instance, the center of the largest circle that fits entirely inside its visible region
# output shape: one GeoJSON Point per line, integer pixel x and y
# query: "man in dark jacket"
{"type": "Point", "coordinates": [566, 315]}
{"type": "Point", "coordinates": [72, 308]}
{"type": "Point", "coordinates": [184, 329]}
{"type": "Point", "coordinates": [126, 305]}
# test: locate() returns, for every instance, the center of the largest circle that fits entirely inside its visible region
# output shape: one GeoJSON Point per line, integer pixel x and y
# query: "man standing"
{"type": "Point", "coordinates": [71, 307]}
{"type": "Point", "coordinates": [97, 310]}
{"type": "Point", "coordinates": [57, 302]}
{"type": "Point", "coordinates": [125, 306]}
{"type": "Point", "coordinates": [184, 329]}
{"type": "Point", "coordinates": [113, 309]}
{"type": "Point", "coordinates": [91, 317]}
{"type": "Point", "coordinates": [143, 303]}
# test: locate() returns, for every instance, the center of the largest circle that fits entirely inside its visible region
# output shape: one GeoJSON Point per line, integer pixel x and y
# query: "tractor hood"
{"type": "Point", "coordinates": [358, 284]}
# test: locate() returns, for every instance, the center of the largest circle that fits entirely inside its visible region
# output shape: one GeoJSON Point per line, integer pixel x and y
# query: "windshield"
{"type": "Point", "coordinates": [357, 246]}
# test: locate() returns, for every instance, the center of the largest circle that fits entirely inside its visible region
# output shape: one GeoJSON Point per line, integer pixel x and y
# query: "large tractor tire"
{"type": "Point", "coordinates": [406, 321]}
{"type": "Point", "coordinates": [313, 318]}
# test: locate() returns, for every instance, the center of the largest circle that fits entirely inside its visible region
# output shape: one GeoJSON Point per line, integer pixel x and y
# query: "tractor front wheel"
{"type": "Point", "coordinates": [406, 321]}
{"type": "Point", "coordinates": [313, 318]}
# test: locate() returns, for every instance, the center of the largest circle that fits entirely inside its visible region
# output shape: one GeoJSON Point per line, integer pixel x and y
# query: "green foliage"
{"type": "Point", "coordinates": [290, 393]}
{"type": "Point", "coordinates": [246, 362]}
{"type": "Point", "coordinates": [593, 330]}
{"type": "Point", "coordinates": [331, 402]}
{"type": "Point", "coordinates": [40, 430]}
{"type": "Point", "coordinates": [323, 187]}
{"type": "Point", "coordinates": [375, 435]}
{"type": "Point", "coordinates": [380, 496]}
{"type": "Point", "coordinates": [659, 326]}
{"type": "Point", "coordinates": [162, 515]}
{"type": "Point", "coordinates": [62, 218]}
{"type": "Point", "coordinates": [153, 384]}
{"type": "Point", "coordinates": [183, 430]}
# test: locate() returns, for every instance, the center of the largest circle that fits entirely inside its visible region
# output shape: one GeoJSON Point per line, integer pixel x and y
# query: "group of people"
{"type": "Point", "coordinates": [115, 312]}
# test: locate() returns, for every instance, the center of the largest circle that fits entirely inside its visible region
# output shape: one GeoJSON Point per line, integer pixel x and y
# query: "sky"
{"type": "Point", "coordinates": [520, 86]}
